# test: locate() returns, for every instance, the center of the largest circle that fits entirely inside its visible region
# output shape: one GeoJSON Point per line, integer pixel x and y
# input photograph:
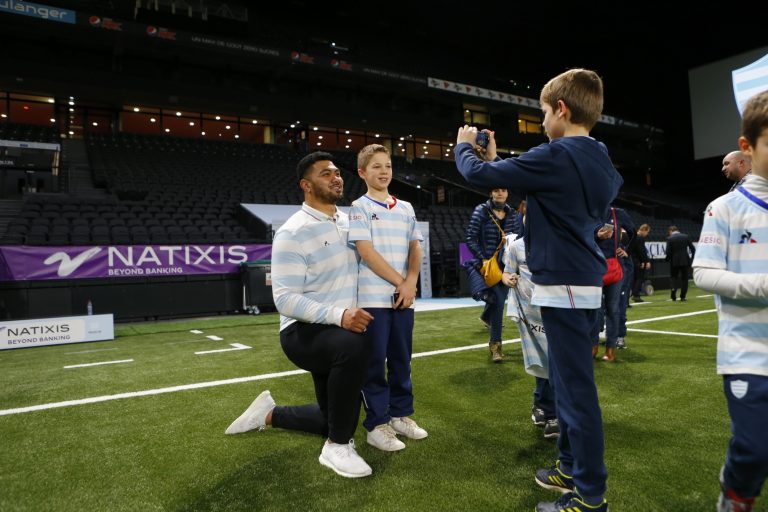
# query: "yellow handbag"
{"type": "Point", "coordinates": [490, 270]}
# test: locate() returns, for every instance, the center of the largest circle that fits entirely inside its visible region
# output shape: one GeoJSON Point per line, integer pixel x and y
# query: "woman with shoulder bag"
{"type": "Point", "coordinates": [609, 241]}
{"type": "Point", "coordinates": [488, 227]}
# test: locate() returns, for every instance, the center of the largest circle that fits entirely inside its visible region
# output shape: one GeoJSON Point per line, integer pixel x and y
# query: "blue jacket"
{"type": "Point", "coordinates": [570, 183]}
{"type": "Point", "coordinates": [482, 235]}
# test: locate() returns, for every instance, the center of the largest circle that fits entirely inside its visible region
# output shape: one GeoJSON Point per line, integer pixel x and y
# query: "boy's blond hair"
{"type": "Point", "coordinates": [365, 154]}
{"type": "Point", "coordinates": [581, 90]}
{"type": "Point", "coordinates": [755, 118]}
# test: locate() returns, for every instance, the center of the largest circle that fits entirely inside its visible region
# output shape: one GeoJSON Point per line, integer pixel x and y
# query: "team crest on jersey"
{"type": "Point", "coordinates": [746, 238]}
{"type": "Point", "coordinates": [739, 388]}
{"type": "Point", "coordinates": [374, 217]}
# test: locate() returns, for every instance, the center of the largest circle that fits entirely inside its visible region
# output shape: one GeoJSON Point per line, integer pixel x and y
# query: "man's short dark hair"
{"type": "Point", "coordinates": [308, 161]}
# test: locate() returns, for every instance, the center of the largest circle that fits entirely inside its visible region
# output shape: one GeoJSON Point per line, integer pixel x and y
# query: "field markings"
{"type": "Point", "coordinates": [266, 376]}
{"type": "Point", "coordinates": [236, 346]}
{"type": "Point", "coordinates": [195, 331]}
{"type": "Point", "coordinates": [694, 335]}
{"type": "Point", "coordinates": [122, 361]}
{"type": "Point", "coordinates": [214, 338]}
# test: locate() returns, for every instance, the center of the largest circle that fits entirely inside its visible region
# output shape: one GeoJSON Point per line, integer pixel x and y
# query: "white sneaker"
{"type": "Point", "coordinates": [407, 427]}
{"type": "Point", "coordinates": [384, 438]}
{"type": "Point", "coordinates": [254, 416]}
{"type": "Point", "coordinates": [344, 460]}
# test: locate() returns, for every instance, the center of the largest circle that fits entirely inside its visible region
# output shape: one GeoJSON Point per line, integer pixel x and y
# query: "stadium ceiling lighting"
{"type": "Point", "coordinates": [135, 109]}
{"type": "Point", "coordinates": [402, 138]}
{"type": "Point", "coordinates": [512, 153]}
{"type": "Point", "coordinates": [450, 144]}
{"type": "Point", "coordinates": [219, 135]}
{"type": "Point", "coordinates": [293, 126]}
{"type": "Point", "coordinates": [152, 120]}
{"type": "Point", "coordinates": [320, 137]}
{"type": "Point", "coordinates": [71, 103]}
{"type": "Point", "coordinates": [315, 128]}
{"type": "Point", "coordinates": [349, 140]}
{"type": "Point", "coordinates": [3, 116]}
{"type": "Point", "coordinates": [53, 120]}
{"type": "Point", "coordinates": [403, 150]}
{"type": "Point", "coordinates": [346, 131]}
{"type": "Point", "coordinates": [298, 122]}
{"type": "Point", "coordinates": [400, 144]}
{"type": "Point", "coordinates": [418, 186]}
{"type": "Point", "coordinates": [218, 118]}
{"type": "Point", "coordinates": [426, 141]}
{"type": "Point", "coordinates": [319, 143]}
{"type": "Point", "coordinates": [347, 146]}
{"type": "Point", "coordinates": [51, 100]}
{"type": "Point", "coordinates": [178, 114]}
{"type": "Point", "coordinates": [25, 107]}
{"type": "Point", "coordinates": [254, 121]}
{"type": "Point", "coordinates": [71, 110]}
{"type": "Point", "coordinates": [237, 136]}
{"type": "Point", "coordinates": [424, 147]}
{"type": "Point", "coordinates": [71, 132]}
{"type": "Point", "coordinates": [227, 127]}
{"type": "Point", "coordinates": [202, 133]}
{"type": "Point", "coordinates": [377, 135]}
{"type": "Point", "coordinates": [191, 123]}
{"type": "Point", "coordinates": [95, 123]}
{"type": "Point", "coordinates": [167, 130]}
{"type": "Point", "coordinates": [467, 111]}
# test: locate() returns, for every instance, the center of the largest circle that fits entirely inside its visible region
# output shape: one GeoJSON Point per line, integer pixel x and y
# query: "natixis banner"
{"type": "Point", "coordinates": [28, 263]}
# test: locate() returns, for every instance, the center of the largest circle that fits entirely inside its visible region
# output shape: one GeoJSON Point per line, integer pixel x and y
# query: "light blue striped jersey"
{"type": "Point", "coordinates": [314, 270]}
{"type": "Point", "coordinates": [390, 228]}
{"type": "Point", "coordinates": [567, 296]}
{"type": "Point", "coordinates": [734, 237]}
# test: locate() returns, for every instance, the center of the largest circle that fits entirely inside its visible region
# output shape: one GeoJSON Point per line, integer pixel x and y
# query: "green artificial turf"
{"type": "Point", "coordinates": [665, 418]}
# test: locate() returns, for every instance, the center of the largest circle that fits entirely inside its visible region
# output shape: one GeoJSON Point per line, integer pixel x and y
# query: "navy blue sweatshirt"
{"type": "Point", "coordinates": [569, 183]}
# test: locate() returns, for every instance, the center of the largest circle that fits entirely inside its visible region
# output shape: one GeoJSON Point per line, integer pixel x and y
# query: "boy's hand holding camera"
{"type": "Point", "coordinates": [484, 141]}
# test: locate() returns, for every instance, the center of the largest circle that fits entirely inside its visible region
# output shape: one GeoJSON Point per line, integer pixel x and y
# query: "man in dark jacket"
{"type": "Point", "coordinates": [680, 251]}
{"type": "Point", "coordinates": [640, 260]}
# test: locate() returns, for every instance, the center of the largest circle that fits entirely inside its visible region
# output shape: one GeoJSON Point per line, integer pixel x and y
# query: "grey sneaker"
{"type": "Point", "coordinates": [254, 416]}
{"type": "Point", "coordinates": [552, 429]}
{"type": "Point", "coordinates": [344, 460]}
{"type": "Point", "coordinates": [407, 427]}
{"type": "Point", "coordinates": [538, 417]}
{"type": "Point", "coordinates": [620, 343]}
{"type": "Point", "coordinates": [384, 438]}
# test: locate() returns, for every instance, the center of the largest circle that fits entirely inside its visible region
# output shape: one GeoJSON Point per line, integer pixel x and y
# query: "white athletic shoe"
{"type": "Point", "coordinates": [344, 460]}
{"type": "Point", "coordinates": [407, 427]}
{"type": "Point", "coordinates": [254, 416]}
{"type": "Point", "coordinates": [384, 438]}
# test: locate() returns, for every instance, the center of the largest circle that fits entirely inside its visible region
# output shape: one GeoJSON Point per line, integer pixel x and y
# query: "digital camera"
{"type": "Point", "coordinates": [482, 139]}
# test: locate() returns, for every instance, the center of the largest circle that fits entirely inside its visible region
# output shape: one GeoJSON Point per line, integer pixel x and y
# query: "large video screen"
{"type": "Point", "coordinates": [714, 110]}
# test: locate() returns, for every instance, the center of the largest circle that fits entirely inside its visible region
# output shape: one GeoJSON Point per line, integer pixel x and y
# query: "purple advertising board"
{"type": "Point", "coordinates": [28, 263]}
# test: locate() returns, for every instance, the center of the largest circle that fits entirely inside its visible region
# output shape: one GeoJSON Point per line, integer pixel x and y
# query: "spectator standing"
{"type": "Point", "coordinates": [731, 262]}
{"type": "Point", "coordinates": [680, 253]}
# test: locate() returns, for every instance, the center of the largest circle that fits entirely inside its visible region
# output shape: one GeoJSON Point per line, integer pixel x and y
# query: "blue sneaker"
{"type": "Point", "coordinates": [571, 502]}
{"type": "Point", "coordinates": [554, 479]}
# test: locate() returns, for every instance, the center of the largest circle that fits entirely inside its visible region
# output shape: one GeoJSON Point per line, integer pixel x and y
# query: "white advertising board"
{"type": "Point", "coordinates": [56, 331]}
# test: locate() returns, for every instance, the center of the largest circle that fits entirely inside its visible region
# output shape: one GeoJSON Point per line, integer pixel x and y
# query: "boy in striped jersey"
{"type": "Point", "coordinates": [384, 230]}
{"type": "Point", "coordinates": [732, 262]}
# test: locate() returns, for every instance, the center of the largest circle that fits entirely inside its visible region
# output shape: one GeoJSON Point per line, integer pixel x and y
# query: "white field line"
{"type": "Point", "coordinates": [703, 296]}
{"type": "Point", "coordinates": [186, 341]}
{"type": "Point", "coordinates": [214, 338]}
{"type": "Point", "coordinates": [693, 335]}
{"type": "Point", "coordinates": [669, 317]}
{"type": "Point", "coordinates": [196, 331]}
{"type": "Point", "coordinates": [235, 346]}
{"type": "Point", "coordinates": [99, 364]}
{"type": "Point", "coordinates": [240, 380]}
